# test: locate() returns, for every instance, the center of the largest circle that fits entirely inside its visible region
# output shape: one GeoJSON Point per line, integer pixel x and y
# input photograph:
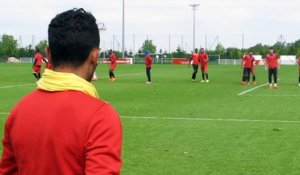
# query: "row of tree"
{"type": "Point", "coordinates": [9, 47]}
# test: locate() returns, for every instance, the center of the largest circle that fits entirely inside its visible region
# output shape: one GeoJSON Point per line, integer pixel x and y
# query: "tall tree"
{"type": "Point", "coordinates": [42, 45]}
{"type": "Point", "coordinates": [148, 45]}
{"type": "Point", "coordinates": [8, 45]}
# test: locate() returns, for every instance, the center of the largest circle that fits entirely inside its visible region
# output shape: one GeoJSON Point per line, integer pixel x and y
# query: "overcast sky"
{"type": "Point", "coordinates": [260, 21]}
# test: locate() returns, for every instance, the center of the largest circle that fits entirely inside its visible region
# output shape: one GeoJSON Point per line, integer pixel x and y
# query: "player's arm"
{"type": "Point", "coordinates": [278, 63]}
{"type": "Point", "coordinates": [191, 58]}
{"type": "Point", "coordinates": [8, 163]}
{"type": "Point", "coordinates": [103, 143]}
{"type": "Point", "coordinates": [34, 62]}
{"type": "Point", "coordinates": [243, 63]}
{"type": "Point", "coordinates": [45, 60]}
{"type": "Point", "coordinates": [266, 63]}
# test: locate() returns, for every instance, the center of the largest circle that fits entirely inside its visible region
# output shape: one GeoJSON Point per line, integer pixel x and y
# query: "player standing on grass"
{"type": "Point", "coordinates": [148, 63]}
{"type": "Point", "coordinates": [36, 67]}
{"type": "Point", "coordinates": [253, 69]}
{"type": "Point", "coordinates": [196, 62]}
{"type": "Point", "coordinates": [247, 65]}
{"type": "Point", "coordinates": [272, 66]}
{"type": "Point", "coordinates": [79, 134]}
{"type": "Point", "coordinates": [113, 65]}
{"type": "Point", "coordinates": [203, 56]}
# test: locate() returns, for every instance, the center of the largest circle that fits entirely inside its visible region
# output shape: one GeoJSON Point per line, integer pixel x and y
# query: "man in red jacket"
{"type": "Point", "coordinates": [79, 133]}
{"type": "Point", "coordinates": [113, 65]}
{"type": "Point", "coordinates": [203, 56]}
{"type": "Point", "coordinates": [247, 65]}
{"type": "Point", "coordinates": [148, 63]}
{"type": "Point", "coordinates": [272, 66]}
{"type": "Point", "coordinates": [196, 62]}
{"type": "Point", "coordinates": [36, 67]}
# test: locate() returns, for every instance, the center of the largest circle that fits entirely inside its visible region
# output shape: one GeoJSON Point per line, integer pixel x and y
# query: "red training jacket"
{"type": "Point", "coordinates": [248, 61]}
{"type": "Point", "coordinates": [203, 57]}
{"type": "Point", "coordinates": [38, 59]}
{"type": "Point", "coordinates": [62, 133]}
{"type": "Point", "coordinates": [148, 61]}
{"type": "Point", "coordinates": [195, 58]}
{"type": "Point", "coordinates": [272, 61]}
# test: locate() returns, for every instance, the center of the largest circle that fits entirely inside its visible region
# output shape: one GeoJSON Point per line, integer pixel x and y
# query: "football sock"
{"type": "Point", "coordinates": [36, 76]}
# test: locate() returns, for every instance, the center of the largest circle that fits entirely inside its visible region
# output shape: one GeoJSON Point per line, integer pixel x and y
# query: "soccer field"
{"type": "Point", "coordinates": [179, 127]}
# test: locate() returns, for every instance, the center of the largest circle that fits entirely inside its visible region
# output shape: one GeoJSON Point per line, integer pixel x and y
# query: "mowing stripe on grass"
{"type": "Point", "coordinates": [211, 119]}
{"type": "Point", "coordinates": [123, 75]}
{"type": "Point", "coordinates": [17, 85]}
{"type": "Point", "coordinates": [252, 89]}
{"type": "Point", "coordinates": [21, 85]}
{"type": "Point", "coordinates": [204, 119]}
{"type": "Point", "coordinates": [269, 95]}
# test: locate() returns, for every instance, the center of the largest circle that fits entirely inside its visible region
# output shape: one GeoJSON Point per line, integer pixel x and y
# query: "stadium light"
{"type": "Point", "coordinates": [194, 7]}
{"type": "Point", "coordinates": [123, 31]}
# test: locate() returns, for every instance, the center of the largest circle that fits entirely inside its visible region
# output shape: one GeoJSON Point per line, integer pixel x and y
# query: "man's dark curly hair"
{"type": "Point", "coordinates": [72, 35]}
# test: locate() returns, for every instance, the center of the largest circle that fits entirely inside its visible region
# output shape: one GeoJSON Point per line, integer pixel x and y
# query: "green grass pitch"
{"type": "Point", "coordinates": [179, 127]}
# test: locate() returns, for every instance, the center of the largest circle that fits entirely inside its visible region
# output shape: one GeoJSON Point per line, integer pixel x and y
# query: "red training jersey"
{"type": "Point", "coordinates": [148, 60]}
{"type": "Point", "coordinates": [248, 61]}
{"type": "Point", "coordinates": [203, 57]}
{"type": "Point", "coordinates": [272, 61]}
{"type": "Point", "coordinates": [38, 59]}
{"type": "Point", "coordinates": [78, 135]}
{"type": "Point", "coordinates": [112, 58]}
{"type": "Point", "coordinates": [195, 58]}
{"type": "Point", "coordinates": [299, 61]}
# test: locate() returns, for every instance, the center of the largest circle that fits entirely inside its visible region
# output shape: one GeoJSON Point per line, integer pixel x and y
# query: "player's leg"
{"type": "Point", "coordinates": [270, 77]}
{"type": "Point", "coordinates": [248, 70]}
{"type": "Point", "coordinates": [244, 76]}
{"type": "Point", "coordinates": [299, 75]}
{"type": "Point", "coordinates": [148, 73]}
{"type": "Point", "coordinates": [253, 75]}
{"type": "Point", "coordinates": [195, 68]}
{"type": "Point", "coordinates": [35, 75]}
{"type": "Point", "coordinates": [275, 73]}
{"type": "Point", "coordinates": [110, 75]}
{"type": "Point", "coordinates": [206, 73]}
{"type": "Point", "coordinates": [203, 74]}
{"type": "Point", "coordinates": [37, 72]}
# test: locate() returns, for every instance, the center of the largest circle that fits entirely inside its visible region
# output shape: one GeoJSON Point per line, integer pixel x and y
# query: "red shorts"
{"type": "Point", "coordinates": [48, 66]}
{"type": "Point", "coordinates": [36, 69]}
{"type": "Point", "coordinates": [112, 67]}
{"type": "Point", "coordinates": [204, 68]}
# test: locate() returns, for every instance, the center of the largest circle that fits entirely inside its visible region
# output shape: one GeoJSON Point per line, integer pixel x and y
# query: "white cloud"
{"type": "Point", "coordinates": [259, 20]}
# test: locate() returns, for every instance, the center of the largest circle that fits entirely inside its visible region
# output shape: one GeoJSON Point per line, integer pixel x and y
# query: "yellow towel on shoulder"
{"type": "Point", "coordinates": [60, 81]}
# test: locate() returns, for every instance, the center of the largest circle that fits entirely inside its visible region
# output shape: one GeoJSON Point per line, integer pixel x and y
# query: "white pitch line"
{"type": "Point", "coordinates": [283, 95]}
{"type": "Point", "coordinates": [21, 85]}
{"type": "Point", "coordinates": [4, 113]}
{"type": "Point", "coordinates": [211, 119]}
{"type": "Point", "coordinates": [252, 89]}
{"type": "Point", "coordinates": [17, 85]}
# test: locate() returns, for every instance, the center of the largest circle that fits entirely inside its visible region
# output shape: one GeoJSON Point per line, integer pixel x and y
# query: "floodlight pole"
{"type": "Point", "coordinates": [194, 7]}
{"type": "Point", "coordinates": [123, 31]}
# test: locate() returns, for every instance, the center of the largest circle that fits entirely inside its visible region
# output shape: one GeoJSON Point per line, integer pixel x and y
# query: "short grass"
{"type": "Point", "coordinates": [263, 142]}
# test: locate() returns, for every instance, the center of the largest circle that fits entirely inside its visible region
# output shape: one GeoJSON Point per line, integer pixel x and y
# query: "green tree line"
{"type": "Point", "coordinates": [9, 47]}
